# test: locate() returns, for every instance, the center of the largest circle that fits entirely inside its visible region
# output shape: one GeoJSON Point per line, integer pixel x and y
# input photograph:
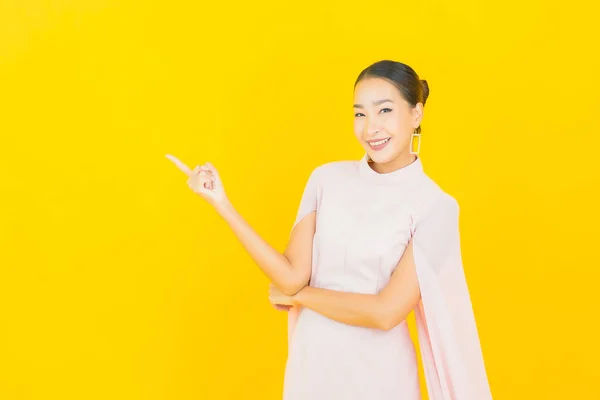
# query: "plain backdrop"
{"type": "Point", "coordinates": [117, 282]}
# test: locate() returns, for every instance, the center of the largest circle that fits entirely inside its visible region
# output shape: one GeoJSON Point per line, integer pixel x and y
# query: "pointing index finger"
{"type": "Point", "coordinates": [180, 164]}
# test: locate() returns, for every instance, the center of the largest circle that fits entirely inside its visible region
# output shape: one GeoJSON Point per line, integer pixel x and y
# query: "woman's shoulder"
{"type": "Point", "coordinates": [433, 196]}
{"type": "Point", "coordinates": [335, 168]}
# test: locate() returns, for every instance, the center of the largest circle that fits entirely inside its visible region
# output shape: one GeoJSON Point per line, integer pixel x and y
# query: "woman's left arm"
{"type": "Point", "coordinates": [382, 311]}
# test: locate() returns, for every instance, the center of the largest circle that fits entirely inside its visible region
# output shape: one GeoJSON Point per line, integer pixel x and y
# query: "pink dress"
{"type": "Point", "coordinates": [365, 220]}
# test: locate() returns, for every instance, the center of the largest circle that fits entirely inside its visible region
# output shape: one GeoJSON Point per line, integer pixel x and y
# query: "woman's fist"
{"type": "Point", "coordinates": [279, 300]}
{"type": "Point", "coordinates": [204, 180]}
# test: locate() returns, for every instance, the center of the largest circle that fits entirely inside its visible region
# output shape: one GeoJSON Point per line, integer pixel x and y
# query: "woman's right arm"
{"type": "Point", "coordinates": [289, 271]}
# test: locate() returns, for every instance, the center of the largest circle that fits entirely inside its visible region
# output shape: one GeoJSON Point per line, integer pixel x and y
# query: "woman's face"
{"type": "Point", "coordinates": [384, 121]}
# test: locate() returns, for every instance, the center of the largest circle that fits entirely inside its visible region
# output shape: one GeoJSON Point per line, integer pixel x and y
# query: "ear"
{"type": "Point", "coordinates": [417, 114]}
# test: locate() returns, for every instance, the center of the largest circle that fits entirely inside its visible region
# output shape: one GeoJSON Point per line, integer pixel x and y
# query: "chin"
{"type": "Point", "coordinates": [381, 158]}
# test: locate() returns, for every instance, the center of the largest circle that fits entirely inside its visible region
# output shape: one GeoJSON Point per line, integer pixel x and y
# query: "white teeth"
{"type": "Point", "coordinates": [379, 142]}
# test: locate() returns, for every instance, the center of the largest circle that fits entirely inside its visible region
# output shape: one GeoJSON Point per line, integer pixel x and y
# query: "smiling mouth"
{"type": "Point", "coordinates": [379, 144]}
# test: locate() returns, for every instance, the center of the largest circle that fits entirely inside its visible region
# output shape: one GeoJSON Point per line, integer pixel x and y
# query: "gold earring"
{"type": "Point", "coordinates": [418, 136]}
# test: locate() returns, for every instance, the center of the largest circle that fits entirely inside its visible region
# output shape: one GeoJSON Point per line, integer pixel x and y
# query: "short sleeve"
{"type": "Point", "coordinates": [436, 232]}
{"type": "Point", "coordinates": [309, 199]}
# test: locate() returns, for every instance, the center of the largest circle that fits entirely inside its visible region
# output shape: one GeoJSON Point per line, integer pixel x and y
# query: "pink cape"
{"type": "Point", "coordinates": [448, 337]}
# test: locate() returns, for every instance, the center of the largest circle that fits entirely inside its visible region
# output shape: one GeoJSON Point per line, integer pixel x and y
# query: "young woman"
{"type": "Point", "coordinates": [373, 240]}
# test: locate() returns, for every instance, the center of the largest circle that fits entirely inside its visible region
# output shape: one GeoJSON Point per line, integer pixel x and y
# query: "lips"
{"type": "Point", "coordinates": [379, 143]}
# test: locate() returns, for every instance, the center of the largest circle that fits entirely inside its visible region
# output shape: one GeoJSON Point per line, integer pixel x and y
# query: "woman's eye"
{"type": "Point", "coordinates": [386, 109]}
{"type": "Point", "coordinates": [358, 114]}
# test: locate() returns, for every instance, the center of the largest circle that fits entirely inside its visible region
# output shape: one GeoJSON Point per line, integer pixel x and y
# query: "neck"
{"type": "Point", "coordinates": [393, 165]}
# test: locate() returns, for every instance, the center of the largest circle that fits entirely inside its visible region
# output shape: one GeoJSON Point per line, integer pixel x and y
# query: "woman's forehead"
{"type": "Point", "coordinates": [375, 87]}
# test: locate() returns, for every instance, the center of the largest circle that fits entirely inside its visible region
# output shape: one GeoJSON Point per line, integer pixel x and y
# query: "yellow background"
{"type": "Point", "coordinates": [116, 282]}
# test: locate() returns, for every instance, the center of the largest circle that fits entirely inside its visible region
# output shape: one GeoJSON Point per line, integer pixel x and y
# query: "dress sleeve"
{"type": "Point", "coordinates": [309, 199]}
{"type": "Point", "coordinates": [448, 337]}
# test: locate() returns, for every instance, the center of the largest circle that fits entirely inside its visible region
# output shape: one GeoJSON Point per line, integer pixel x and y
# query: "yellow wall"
{"type": "Point", "coordinates": [116, 282]}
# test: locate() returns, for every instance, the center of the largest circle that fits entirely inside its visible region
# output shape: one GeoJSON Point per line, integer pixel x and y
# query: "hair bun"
{"type": "Point", "coordinates": [425, 90]}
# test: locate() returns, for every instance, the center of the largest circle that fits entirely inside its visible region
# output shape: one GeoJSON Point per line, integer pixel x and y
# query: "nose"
{"type": "Point", "coordinates": [373, 128]}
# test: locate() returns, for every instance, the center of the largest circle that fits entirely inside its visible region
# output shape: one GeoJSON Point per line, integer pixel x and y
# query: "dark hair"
{"type": "Point", "coordinates": [406, 80]}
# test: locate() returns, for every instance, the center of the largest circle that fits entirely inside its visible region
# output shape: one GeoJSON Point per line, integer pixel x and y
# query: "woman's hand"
{"type": "Point", "coordinates": [204, 180]}
{"type": "Point", "coordinates": [279, 300]}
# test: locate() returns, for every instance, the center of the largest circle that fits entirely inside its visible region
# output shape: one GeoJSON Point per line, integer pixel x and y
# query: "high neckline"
{"type": "Point", "coordinates": [409, 171]}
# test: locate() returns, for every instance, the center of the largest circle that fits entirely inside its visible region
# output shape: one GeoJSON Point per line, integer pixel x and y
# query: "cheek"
{"type": "Point", "coordinates": [395, 125]}
{"type": "Point", "coordinates": [359, 125]}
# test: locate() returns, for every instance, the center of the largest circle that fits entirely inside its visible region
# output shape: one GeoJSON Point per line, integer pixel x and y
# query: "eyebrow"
{"type": "Point", "coordinates": [375, 103]}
